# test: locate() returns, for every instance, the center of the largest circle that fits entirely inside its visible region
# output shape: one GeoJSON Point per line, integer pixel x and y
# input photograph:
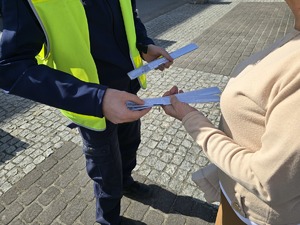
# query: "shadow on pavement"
{"type": "Point", "coordinates": [11, 105]}
{"type": "Point", "coordinates": [9, 146]}
{"type": "Point", "coordinates": [127, 221]}
{"type": "Point", "coordinates": [219, 3]}
{"type": "Point", "coordinates": [171, 203]}
{"type": "Point", "coordinates": [164, 43]}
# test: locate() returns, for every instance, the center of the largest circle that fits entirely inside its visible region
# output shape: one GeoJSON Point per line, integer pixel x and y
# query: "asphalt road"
{"type": "Point", "coordinates": [150, 9]}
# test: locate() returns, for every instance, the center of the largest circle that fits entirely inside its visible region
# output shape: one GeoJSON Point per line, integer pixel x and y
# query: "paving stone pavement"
{"type": "Point", "coordinates": [42, 169]}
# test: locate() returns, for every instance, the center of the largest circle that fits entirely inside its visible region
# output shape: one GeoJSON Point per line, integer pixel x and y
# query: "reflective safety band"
{"type": "Point", "coordinates": [137, 61]}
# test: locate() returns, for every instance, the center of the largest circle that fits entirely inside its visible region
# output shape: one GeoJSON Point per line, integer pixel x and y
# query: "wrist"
{"type": "Point", "coordinates": [142, 48]}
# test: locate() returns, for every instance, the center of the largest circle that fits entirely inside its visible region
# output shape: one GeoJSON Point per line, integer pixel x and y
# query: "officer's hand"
{"type": "Point", "coordinates": [177, 109]}
{"type": "Point", "coordinates": [155, 52]}
{"type": "Point", "coordinates": [114, 106]}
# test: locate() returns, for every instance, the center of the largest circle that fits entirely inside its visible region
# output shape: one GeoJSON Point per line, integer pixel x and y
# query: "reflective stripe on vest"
{"type": "Point", "coordinates": [65, 22]}
{"type": "Point", "coordinates": [126, 8]}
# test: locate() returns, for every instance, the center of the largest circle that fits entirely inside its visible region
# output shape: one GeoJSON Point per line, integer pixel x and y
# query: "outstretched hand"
{"type": "Point", "coordinates": [155, 52]}
{"type": "Point", "coordinates": [115, 109]}
{"type": "Point", "coordinates": [177, 109]}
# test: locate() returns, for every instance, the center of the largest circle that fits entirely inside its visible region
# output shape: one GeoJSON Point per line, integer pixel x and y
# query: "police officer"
{"type": "Point", "coordinates": [74, 55]}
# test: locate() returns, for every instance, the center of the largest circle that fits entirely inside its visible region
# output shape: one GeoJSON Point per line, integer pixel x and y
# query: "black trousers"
{"type": "Point", "coordinates": [110, 159]}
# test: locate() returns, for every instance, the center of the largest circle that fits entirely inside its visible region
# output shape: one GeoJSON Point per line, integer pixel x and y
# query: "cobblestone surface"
{"type": "Point", "coordinates": [42, 169]}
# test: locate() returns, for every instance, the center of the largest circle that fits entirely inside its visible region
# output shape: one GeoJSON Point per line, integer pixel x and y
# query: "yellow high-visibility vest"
{"type": "Point", "coordinates": [67, 46]}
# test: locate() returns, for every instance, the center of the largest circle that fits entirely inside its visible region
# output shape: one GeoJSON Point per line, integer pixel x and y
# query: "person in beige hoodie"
{"type": "Point", "coordinates": [257, 147]}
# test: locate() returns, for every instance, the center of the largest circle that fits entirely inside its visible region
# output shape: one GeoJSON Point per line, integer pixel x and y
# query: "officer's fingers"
{"type": "Point", "coordinates": [161, 67]}
{"type": "Point", "coordinates": [141, 113]}
{"type": "Point", "coordinates": [168, 64]}
{"type": "Point", "coordinates": [165, 54]}
{"type": "Point", "coordinates": [130, 115]}
{"type": "Point", "coordinates": [133, 98]}
{"type": "Point", "coordinates": [164, 66]}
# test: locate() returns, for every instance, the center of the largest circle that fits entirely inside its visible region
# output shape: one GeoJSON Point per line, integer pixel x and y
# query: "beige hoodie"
{"type": "Point", "coordinates": [258, 153]}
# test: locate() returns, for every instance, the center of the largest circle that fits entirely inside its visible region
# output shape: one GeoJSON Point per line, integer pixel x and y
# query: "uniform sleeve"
{"type": "Point", "coordinates": [21, 41]}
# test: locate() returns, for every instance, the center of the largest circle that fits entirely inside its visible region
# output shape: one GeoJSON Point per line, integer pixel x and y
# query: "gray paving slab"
{"type": "Point", "coordinates": [248, 28]}
{"type": "Point", "coordinates": [42, 169]}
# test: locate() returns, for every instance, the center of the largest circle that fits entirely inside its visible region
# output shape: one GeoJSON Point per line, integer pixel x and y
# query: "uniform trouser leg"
{"type": "Point", "coordinates": [129, 140]}
{"type": "Point", "coordinates": [107, 158]}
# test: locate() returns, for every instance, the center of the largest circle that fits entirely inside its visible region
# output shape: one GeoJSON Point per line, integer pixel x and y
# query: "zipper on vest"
{"type": "Point", "coordinates": [43, 27]}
